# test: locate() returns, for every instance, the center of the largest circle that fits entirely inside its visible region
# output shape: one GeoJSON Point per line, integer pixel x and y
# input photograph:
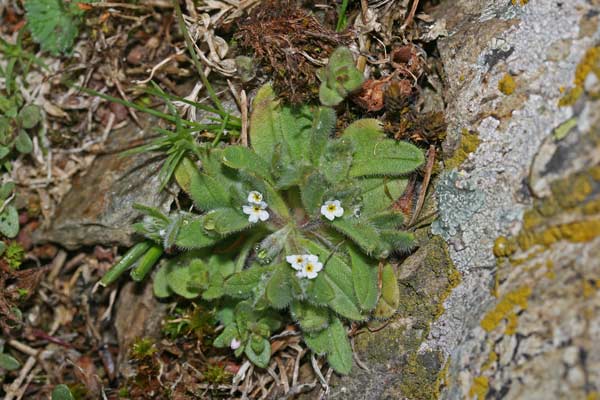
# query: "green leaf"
{"type": "Point", "coordinates": [179, 279]}
{"type": "Point", "coordinates": [339, 277]}
{"type": "Point", "coordinates": [311, 318]}
{"type": "Point", "coordinates": [242, 158]}
{"type": "Point", "coordinates": [364, 277]}
{"type": "Point", "coordinates": [360, 231]}
{"type": "Point", "coordinates": [329, 96]}
{"type": "Point", "coordinates": [339, 78]}
{"type": "Point", "coordinates": [184, 172]}
{"type": "Point", "coordinates": [378, 194]}
{"type": "Point", "coordinates": [225, 221]}
{"type": "Point", "coordinates": [160, 284]}
{"type": "Point", "coordinates": [398, 240]}
{"type": "Point", "coordinates": [8, 362]}
{"type": "Point", "coordinates": [9, 222]}
{"type": "Point", "coordinates": [62, 392]}
{"type": "Point", "coordinates": [23, 142]}
{"type": "Point", "coordinates": [30, 116]}
{"type": "Point", "coordinates": [259, 358]}
{"type": "Point", "coordinates": [263, 126]}
{"type": "Point", "coordinates": [132, 255]}
{"type": "Point", "coordinates": [319, 291]}
{"type": "Point", "coordinates": [390, 294]}
{"type": "Point", "coordinates": [322, 127]}
{"type": "Point", "coordinates": [206, 192]}
{"type": "Point", "coordinates": [53, 24]}
{"type": "Point", "coordinates": [312, 193]}
{"type": "Point", "coordinates": [337, 159]}
{"type": "Point", "coordinates": [334, 342]}
{"type": "Point", "coordinates": [146, 263]}
{"type": "Point", "coordinates": [224, 339]}
{"type": "Point", "coordinates": [242, 284]}
{"type": "Point", "coordinates": [281, 287]}
{"type": "Point", "coordinates": [386, 157]}
{"type": "Point", "coordinates": [192, 235]}
{"type": "Point", "coordinates": [387, 219]}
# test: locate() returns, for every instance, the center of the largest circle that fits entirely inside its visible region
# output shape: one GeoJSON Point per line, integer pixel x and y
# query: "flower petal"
{"type": "Point", "coordinates": [263, 215]}
{"type": "Point", "coordinates": [253, 217]}
{"type": "Point", "coordinates": [291, 259]}
{"type": "Point", "coordinates": [300, 274]}
{"type": "Point", "coordinates": [235, 344]}
{"type": "Point", "coordinates": [338, 212]}
{"type": "Point", "coordinates": [255, 197]}
{"type": "Point", "coordinates": [248, 210]}
{"type": "Point", "coordinates": [311, 275]}
{"type": "Point", "coordinates": [311, 258]}
{"type": "Point", "coordinates": [317, 267]}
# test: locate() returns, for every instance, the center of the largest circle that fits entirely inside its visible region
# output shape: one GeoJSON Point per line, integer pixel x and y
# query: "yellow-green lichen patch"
{"type": "Point", "coordinates": [571, 192]}
{"type": "Point", "coordinates": [422, 293]}
{"type": "Point", "coordinates": [479, 388]}
{"type": "Point", "coordinates": [504, 247]}
{"type": "Point", "coordinates": [589, 64]}
{"type": "Point", "coordinates": [469, 141]}
{"type": "Point", "coordinates": [506, 306]}
{"type": "Point", "coordinates": [423, 376]}
{"type": "Point", "coordinates": [575, 232]}
{"type": "Point", "coordinates": [507, 84]}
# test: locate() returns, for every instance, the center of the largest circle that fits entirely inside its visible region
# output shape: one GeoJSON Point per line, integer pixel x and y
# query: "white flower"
{"type": "Point", "coordinates": [297, 261]}
{"type": "Point", "coordinates": [235, 344]}
{"type": "Point", "coordinates": [256, 212]}
{"type": "Point", "coordinates": [255, 197]}
{"type": "Point", "coordinates": [310, 269]}
{"type": "Point", "coordinates": [332, 209]}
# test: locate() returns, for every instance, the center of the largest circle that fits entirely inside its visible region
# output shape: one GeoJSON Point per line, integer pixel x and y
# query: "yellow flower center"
{"type": "Point", "coordinates": [299, 260]}
{"type": "Point", "coordinates": [309, 267]}
{"type": "Point", "coordinates": [256, 208]}
{"type": "Point", "coordinates": [331, 207]}
{"type": "Point", "coordinates": [256, 197]}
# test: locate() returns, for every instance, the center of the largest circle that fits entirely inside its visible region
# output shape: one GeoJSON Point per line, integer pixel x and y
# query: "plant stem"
{"type": "Point", "coordinates": [341, 22]}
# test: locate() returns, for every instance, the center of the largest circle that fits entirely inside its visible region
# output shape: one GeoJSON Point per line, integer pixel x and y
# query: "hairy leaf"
{"type": "Point", "coordinates": [390, 294]}
{"type": "Point", "coordinates": [364, 277]}
{"type": "Point", "coordinates": [378, 194]}
{"type": "Point", "coordinates": [312, 193]}
{"type": "Point", "coordinates": [263, 355]}
{"type": "Point", "coordinates": [334, 342]}
{"type": "Point", "coordinates": [360, 231]}
{"type": "Point", "coordinates": [193, 236]}
{"type": "Point", "coordinates": [339, 277]}
{"type": "Point", "coordinates": [239, 157]}
{"type": "Point", "coordinates": [311, 318]}
{"type": "Point", "coordinates": [263, 122]}
{"type": "Point", "coordinates": [225, 221]}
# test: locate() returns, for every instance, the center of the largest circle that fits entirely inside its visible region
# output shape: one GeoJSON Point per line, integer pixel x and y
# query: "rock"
{"type": "Point", "coordinates": [398, 366]}
{"type": "Point", "coordinates": [98, 208]}
{"type": "Point", "coordinates": [520, 211]}
{"type": "Point", "coordinates": [513, 319]}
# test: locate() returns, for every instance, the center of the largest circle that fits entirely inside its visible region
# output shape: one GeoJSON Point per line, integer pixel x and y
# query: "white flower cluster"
{"type": "Point", "coordinates": [307, 265]}
{"type": "Point", "coordinates": [256, 210]}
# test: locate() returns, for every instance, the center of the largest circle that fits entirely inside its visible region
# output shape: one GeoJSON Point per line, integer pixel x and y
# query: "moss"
{"type": "Point", "coordinates": [507, 84]}
{"type": "Point", "coordinates": [479, 388]}
{"type": "Point", "coordinates": [506, 307]}
{"type": "Point", "coordinates": [422, 294]}
{"type": "Point", "coordinates": [423, 376]}
{"type": "Point", "coordinates": [590, 63]}
{"type": "Point", "coordinates": [469, 141]}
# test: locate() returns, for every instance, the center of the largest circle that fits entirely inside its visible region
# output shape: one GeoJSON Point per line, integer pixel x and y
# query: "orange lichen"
{"type": "Point", "coordinates": [589, 64]}
{"type": "Point", "coordinates": [479, 388]}
{"type": "Point", "coordinates": [506, 307]}
{"type": "Point", "coordinates": [507, 84]}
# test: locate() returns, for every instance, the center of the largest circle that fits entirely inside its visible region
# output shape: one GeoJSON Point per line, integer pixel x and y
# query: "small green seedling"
{"type": "Point", "coordinates": [62, 392]}
{"type": "Point", "coordinates": [54, 24]}
{"type": "Point", "coordinates": [297, 225]}
{"type": "Point", "coordinates": [9, 217]}
{"type": "Point", "coordinates": [8, 362]}
{"type": "Point", "coordinates": [339, 78]}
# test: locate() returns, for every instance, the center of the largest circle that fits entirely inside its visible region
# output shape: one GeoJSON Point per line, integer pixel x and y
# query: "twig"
{"type": "Point", "coordinates": [424, 185]}
{"type": "Point", "coordinates": [13, 389]}
{"type": "Point", "coordinates": [411, 15]}
{"type": "Point", "coordinates": [244, 110]}
{"type": "Point", "coordinates": [12, 196]}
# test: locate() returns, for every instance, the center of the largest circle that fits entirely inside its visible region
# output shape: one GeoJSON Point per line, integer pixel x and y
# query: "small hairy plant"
{"type": "Point", "coordinates": [16, 117]}
{"type": "Point", "coordinates": [54, 24]}
{"type": "Point", "coordinates": [9, 217]}
{"type": "Point", "coordinates": [296, 224]}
